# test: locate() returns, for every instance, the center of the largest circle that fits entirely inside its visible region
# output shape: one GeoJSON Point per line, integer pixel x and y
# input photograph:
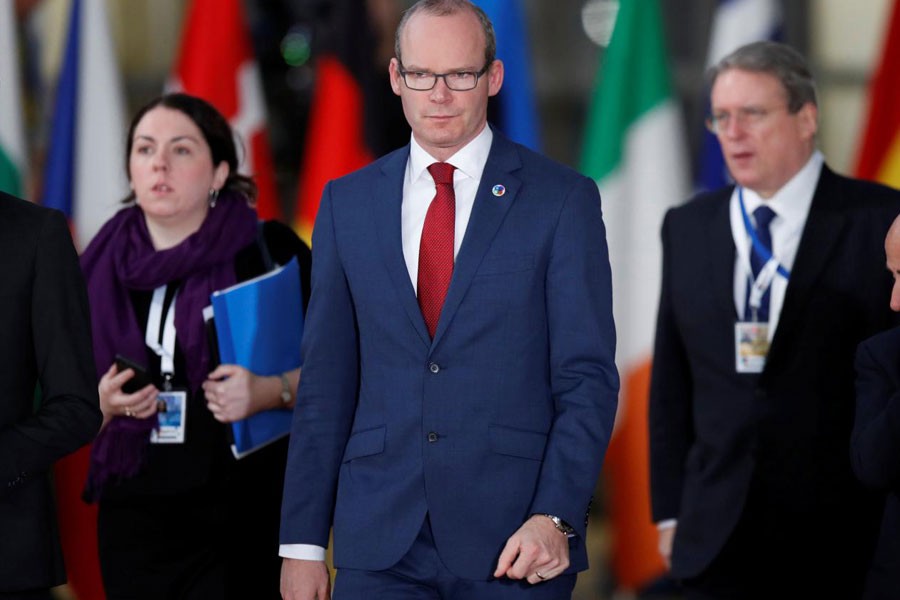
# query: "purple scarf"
{"type": "Point", "coordinates": [121, 258]}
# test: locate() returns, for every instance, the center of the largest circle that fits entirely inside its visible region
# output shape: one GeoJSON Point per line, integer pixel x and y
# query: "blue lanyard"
{"type": "Point", "coordinates": [763, 252]}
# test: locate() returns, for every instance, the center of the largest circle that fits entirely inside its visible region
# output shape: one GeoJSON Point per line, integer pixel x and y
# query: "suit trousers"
{"type": "Point", "coordinates": [421, 575]}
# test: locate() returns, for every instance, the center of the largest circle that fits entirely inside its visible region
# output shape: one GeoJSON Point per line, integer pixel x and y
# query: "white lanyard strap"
{"type": "Point", "coordinates": [762, 283]}
{"type": "Point", "coordinates": [166, 349]}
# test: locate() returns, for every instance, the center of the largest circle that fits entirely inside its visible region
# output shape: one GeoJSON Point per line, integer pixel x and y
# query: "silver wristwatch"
{"type": "Point", "coordinates": [286, 395]}
{"type": "Point", "coordinates": [560, 525]}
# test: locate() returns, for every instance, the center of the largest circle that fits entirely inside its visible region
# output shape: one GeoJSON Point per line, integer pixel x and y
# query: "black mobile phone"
{"type": "Point", "coordinates": [141, 377]}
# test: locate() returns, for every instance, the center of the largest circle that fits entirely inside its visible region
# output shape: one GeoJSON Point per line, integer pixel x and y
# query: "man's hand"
{"type": "Point", "coordinates": [536, 552]}
{"type": "Point", "coordinates": [305, 580]}
{"type": "Point", "coordinates": [664, 544]}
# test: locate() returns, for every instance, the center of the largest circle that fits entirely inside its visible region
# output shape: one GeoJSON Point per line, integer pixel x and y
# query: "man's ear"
{"type": "Point", "coordinates": [809, 120]}
{"type": "Point", "coordinates": [394, 71]}
{"type": "Point", "coordinates": [495, 77]}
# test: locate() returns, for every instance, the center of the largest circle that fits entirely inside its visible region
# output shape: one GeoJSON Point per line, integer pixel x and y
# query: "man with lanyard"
{"type": "Point", "coordinates": [768, 286]}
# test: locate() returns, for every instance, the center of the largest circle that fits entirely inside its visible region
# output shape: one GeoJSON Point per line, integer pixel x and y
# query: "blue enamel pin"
{"type": "Point", "coordinates": [498, 190]}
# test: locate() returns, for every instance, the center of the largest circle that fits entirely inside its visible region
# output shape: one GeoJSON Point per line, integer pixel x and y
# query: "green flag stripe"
{"type": "Point", "coordinates": [633, 79]}
{"type": "Point", "coordinates": [10, 178]}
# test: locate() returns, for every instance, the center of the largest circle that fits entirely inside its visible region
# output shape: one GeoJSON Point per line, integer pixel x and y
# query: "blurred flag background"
{"type": "Point", "coordinates": [12, 130]}
{"type": "Point", "coordinates": [635, 149]}
{"type": "Point", "coordinates": [601, 85]}
{"type": "Point", "coordinates": [84, 175]}
{"type": "Point", "coordinates": [515, 110]}
{"type": "Point", "coordinates": [879, 155]}
{"type": "Point", "coordinates": [340, 130]}
{"type": "Point", "coordinates": [216, 62]}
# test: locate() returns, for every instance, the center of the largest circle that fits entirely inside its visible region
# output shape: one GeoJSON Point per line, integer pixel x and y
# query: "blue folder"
{"type": "Point", "coordinates": [259, 324]}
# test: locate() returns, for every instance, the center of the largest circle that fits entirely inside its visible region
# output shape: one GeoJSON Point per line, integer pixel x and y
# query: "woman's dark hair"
{"type": "Point", "coordinates": [216, 131]}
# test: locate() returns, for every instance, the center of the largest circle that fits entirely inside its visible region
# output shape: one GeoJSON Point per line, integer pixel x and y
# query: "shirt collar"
{"type": "Point", "coordinates": [468, 160]}
{"type": "Point", "coordinates": [792, 201]}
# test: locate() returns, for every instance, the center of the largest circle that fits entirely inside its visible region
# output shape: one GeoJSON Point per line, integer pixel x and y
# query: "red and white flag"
{"type": "Point", "coordinates": [216, 63]}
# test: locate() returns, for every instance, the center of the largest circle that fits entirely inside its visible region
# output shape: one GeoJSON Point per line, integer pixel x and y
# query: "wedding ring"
{"type": "Point", "coordinates": [128, 414]}
{"type": "Point", "coordinates": [541, 577]}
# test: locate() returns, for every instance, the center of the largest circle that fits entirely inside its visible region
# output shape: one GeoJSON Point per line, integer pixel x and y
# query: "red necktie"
{"type": "Point", "coordinates": [436, 247]}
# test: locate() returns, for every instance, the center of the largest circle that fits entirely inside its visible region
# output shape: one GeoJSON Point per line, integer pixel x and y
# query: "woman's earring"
{"type": "Point", "coordinates": [213, 196]}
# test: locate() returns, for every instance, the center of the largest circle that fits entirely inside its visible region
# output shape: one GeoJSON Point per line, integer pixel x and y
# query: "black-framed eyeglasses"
{"type": "Point", "coordinates": [458, 81]}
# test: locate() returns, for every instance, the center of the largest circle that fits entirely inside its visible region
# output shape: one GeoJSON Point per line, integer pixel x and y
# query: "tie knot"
{"type": "Point", "coordinates": [763, 216]}
{"type": "Point", "coordinates": [441, 172]}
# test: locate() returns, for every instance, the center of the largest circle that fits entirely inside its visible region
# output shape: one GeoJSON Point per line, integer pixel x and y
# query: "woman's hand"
{"type": "Point", "coordinates": [116, 403]}
{"type": "Point", "coordinates": [230, 392]}
{"type": "Point", "coordinates": [234, 393]}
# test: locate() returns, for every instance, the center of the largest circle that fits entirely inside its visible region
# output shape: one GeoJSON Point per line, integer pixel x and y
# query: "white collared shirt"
{"type": "Point", "coordinates": [791, 205]}
{"type": "Point", "coordinates": [418, 192]}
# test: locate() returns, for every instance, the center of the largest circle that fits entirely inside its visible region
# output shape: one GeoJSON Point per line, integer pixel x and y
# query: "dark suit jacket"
{"type": "Point", "coordinates": [506, 413]}
{"type": "Point", "coordinates": [45, 338]}
{"type": "Point", "coordinates": [875, 450]}
{"type": "Point", "coordinates": [780, 437]}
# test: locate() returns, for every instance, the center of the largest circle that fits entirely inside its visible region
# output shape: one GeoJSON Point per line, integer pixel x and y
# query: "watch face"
{"type": "Point", "coordinates": [285, 390]}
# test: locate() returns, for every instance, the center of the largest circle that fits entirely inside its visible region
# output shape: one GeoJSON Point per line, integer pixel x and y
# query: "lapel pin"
{"type": "Point", "coordinates": [498, 190]}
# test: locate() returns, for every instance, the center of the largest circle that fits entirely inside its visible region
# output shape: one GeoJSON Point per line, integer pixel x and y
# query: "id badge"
{"type": "Point", "coordinates": [171, 414]}
{"type": "Point", "coordinates": [751, 345]}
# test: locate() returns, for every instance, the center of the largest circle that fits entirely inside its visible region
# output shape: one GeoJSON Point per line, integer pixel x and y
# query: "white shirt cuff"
{"type": "Point", "coordinates": [664, 524]}
{"type": "Point", "coordinates": [302, 551]}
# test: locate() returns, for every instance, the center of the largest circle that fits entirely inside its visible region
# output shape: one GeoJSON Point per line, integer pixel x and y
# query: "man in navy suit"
{"type": "Point", "coordinates": [768, 286]}
{"type": "Point", "coordinates": [453, 439]}
{"type": "Point", "coordinates": [875, 445]}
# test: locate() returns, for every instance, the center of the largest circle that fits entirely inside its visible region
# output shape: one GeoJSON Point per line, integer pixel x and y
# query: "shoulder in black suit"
{"type": "Point", "coordinates": [45, 342]}
{"type": "Point", "coordinates": [875, 450]}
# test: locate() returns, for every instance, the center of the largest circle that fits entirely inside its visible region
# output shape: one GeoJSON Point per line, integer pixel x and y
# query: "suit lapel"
{"type": "Point", "coordinates": [488, 213]}
{"type": "Point", "coordinates": [721, 256]}
{"type": "Point", "coordinates": [819, 240]}
{"type": "Point", "coordinates": [387, 199]}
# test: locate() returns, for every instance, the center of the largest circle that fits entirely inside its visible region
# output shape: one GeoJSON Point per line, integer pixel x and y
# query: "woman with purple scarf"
{"type": "Point", "coordinates": [182, 519]}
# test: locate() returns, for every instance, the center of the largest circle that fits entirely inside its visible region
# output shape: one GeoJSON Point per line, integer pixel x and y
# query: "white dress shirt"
{"type": "Point", "coordinates": [791, 205]}
{"type": "Point", "coordinates": [418, 192]}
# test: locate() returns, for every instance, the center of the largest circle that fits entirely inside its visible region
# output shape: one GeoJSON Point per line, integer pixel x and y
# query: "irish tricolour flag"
{"type": "Point", "coordinates": [634, 148]}
{"type": "Point", "coordinates": [12, 137]}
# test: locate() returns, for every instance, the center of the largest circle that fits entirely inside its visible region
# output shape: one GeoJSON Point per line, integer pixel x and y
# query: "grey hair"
{"type": "Point", "coordinates": [443, 8]}
{"type": "Point", "coordinates": [776, 59]}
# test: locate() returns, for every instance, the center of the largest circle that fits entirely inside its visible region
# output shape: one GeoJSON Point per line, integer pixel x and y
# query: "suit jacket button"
{"type": "Point", "coordinates": [434, 367]}
{"type": "Point", "coordinates": [432, 437]}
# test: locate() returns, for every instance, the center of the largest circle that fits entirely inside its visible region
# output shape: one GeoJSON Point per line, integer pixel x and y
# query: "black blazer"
{"type": "Point", "coordinates": [45, 339]}
{"type": "Point", "coordinates": [875, 450]}
{"type": "Point", "coordinates": [783, 434]}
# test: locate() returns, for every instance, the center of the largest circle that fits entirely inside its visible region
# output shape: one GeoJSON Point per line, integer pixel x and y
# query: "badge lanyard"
{"type": "Point", "coordinates": [772, 266]}
{"type": "Point", "coordinates": [166, 349]}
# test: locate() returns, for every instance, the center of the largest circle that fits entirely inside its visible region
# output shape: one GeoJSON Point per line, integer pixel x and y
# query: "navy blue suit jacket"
{"type": "Point", "coordinates": [876, 450]}
{"type": "Point", "coordinates": [775, 443]}
{"type": "Point", "coordinates": [507, 412]}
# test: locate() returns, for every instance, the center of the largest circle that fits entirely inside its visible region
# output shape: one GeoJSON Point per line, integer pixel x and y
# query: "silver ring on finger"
{"type": "Point", "coordinates": [128, 412]}
{"type": "Point", "coordinates": [539, 576]}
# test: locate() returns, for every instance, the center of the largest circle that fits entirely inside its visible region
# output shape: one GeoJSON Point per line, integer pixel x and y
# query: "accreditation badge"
{"type": "Point", "coordinates": [171, 413]}
{"type": "Point", "coordinates": [751, 346]}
